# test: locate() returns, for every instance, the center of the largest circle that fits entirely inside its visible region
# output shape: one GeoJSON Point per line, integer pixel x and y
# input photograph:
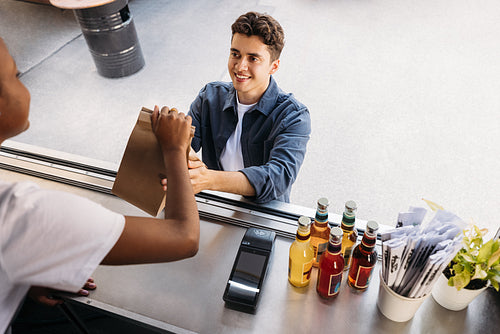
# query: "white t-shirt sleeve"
{"type": "Point", "coordinates": [54, 239]}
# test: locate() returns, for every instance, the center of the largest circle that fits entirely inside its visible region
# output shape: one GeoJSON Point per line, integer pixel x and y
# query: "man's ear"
{"type": "Point", "coordinates": [274, 66]}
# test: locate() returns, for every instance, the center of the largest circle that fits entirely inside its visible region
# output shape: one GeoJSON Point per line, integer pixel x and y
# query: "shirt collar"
{"type": "Point", "coordinates": [266, 102]}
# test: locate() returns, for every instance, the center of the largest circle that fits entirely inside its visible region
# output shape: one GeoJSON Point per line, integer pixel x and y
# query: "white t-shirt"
{"type": "Point", "coordinates": [49, 238]}
{"type": "Point", "coordinates": [231, 158]}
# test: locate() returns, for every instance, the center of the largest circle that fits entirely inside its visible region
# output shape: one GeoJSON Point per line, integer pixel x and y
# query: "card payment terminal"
{"type": "Point", "coordinates": [249, 269]}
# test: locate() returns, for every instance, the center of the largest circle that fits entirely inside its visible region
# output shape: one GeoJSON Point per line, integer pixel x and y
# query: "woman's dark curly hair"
{"type": "Point", "coordinates": [264, 26]}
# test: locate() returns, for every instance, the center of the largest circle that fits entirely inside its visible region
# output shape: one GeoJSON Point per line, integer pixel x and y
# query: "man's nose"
{"type": "Point", "coordinates": [243, 65]}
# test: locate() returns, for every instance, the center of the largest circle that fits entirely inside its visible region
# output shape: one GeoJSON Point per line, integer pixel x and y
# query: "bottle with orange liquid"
{"type": "Point", "coordinates": [364, 258]}
{"type": "Point", "coordinates": [320, 230]}
{"type": "Point", "coordinates": [350, 233]}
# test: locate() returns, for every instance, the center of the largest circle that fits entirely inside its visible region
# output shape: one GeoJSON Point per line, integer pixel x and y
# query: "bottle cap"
{"type": "Point", "coordinates": [336, 232]}
{"type": "Point", "coordinates": [372, 226]}
{"type": "Point", "coordinates": [350, 206]}
{"type": "Point", "coordinates": [304, 221]}
{"type": "Point", "coordinates": [323, 203]}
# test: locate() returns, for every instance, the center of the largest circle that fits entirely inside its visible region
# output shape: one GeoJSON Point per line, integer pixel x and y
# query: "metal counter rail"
{"type": "Point", "coordinates": [88, 177]}
{"type": "Point", "coordinates": [99, 176]}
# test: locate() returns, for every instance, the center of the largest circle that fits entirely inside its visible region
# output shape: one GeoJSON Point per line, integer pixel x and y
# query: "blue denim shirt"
{"type": "Point", "coordinates": [274, 136]}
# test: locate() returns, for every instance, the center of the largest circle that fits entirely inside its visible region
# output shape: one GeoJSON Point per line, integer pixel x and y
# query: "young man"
{"type": "Point", "coordinates": [54, 239]}
{"type": "Point", "coordinates": [253, 136]}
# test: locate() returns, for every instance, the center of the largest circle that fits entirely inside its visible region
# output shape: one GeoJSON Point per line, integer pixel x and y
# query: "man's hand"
{"type": "Point", "coordinates": [198, 173]}
{"type": "Point", "coordinates": [193, 162]}
{"type": "Point", "coordinates": [200, 176]}
{"type": "Point", "coordinates": [46, 296]}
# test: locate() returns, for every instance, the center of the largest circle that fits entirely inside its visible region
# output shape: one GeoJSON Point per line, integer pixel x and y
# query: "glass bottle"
{"type": "Point", "coordinates": [320, 231]}
{"type": "Point", "coordinates": [301, 255]}
{"type": "Point", "coordinates": [331, 266]}
{"type": "Point", "coordinates": [350, 233]}
{"type": "Point", "coordinates": [364, 258]}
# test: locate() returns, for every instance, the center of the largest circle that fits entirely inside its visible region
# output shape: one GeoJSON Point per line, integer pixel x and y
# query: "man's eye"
{"type": "Point", "coordinates": [234, 54]}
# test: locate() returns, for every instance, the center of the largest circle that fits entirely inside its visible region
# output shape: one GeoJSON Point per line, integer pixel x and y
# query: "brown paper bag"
{"type": "Point", "coordinates": [138, 180]}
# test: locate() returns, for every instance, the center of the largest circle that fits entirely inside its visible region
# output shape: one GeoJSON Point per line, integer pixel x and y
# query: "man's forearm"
{"type": "Point", "coordinates": [231, 182]}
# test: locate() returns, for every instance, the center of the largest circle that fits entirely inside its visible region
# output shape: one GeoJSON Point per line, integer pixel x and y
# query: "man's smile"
{"type": "Point", "coordinates": [241, 77]}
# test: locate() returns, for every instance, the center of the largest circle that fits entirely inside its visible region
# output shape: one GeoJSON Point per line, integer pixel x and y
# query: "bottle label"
{"type": "Point", "coordinates": [363, 277]}
{"type": "Point", "coordinates": [321, 217]}
{"type": "Point", "coordinates": [348, 221]}
{"type": "Point", "coordinates": [321, 249]}
{"type": "Point", "coordinates": [301, 237]}
{"type": "Point", "coordinates": [306, 271]}
{"type": "Point", "coordinates": [368, 243]}
{"type": "Point", "coordinates": [334, 286]}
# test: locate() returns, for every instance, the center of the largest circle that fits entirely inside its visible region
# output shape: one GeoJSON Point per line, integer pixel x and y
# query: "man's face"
{"type": "Point", "coordinates": [14, 97]}
{"type": "Point", "coordinates": [250, 66]}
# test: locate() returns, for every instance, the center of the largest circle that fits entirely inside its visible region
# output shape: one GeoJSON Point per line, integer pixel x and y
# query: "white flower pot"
{"type": "Point", "coordinates": [452, 299]}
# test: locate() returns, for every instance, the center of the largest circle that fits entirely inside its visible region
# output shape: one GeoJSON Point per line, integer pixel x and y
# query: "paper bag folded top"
{"type": "Point", "coordinates": [141, 170]}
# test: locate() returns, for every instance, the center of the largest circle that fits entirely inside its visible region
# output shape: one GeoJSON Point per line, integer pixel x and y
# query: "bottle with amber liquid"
{"type": "Point", "coordinates": [331, 266]}
{"type": "Point", "coordinates": [350, 233]}
{"type": "Point", "coordinates": [364, 258]}
{"type": "Point", "coordinates": [301, 255]}
{"type": "Point", "coordinates": [320, 231]}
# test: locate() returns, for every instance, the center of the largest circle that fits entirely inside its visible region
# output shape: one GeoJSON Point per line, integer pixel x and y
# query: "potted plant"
{"type": "Point", "coordinates": [476, 265]}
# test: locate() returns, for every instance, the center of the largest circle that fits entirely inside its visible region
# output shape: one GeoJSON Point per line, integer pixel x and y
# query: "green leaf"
{"type": "Point", "coordinates": [432, 205]}
{"type": "Point", "coordinates": [466, 242]}
{"type": "Point", "coordinates": [478, 232]}
{"type": "Point", "coordinates": [485, 252]}
{"type": "Point", "coordinates": [479, 273]}
{"type": "Point", "coordinates": [467, 257]}
{"type": "Point", "coordinates": [461, 280]}
{"type": "Point", "coordinates": [494, 257]}
{"type": "Point", "coordinates": [496, 245]}
{"type": "Point", "coordinates": [451, 281]}
{"type": "Point", "coordinates": [494, 278]}
{"type": "Point", "coordinates": [477, 243]}
{"type": "Point", "coordinates": [458, 268]}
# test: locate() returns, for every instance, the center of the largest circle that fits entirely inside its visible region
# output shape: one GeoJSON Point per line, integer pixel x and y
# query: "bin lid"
{"type": "Point", "coordinates": [79, 4]}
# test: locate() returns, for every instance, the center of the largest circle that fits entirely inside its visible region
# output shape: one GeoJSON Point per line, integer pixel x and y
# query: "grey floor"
{"type": "Point", "coordinates": [404, 95]}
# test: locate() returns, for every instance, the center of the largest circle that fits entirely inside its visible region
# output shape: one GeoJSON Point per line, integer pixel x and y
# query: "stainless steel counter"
{"type": "Point", "coordinates": [186, 296]}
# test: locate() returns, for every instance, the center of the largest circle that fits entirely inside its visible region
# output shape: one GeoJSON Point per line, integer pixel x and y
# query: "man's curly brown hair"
{"type": "Point", "coordinates": [264, 26]}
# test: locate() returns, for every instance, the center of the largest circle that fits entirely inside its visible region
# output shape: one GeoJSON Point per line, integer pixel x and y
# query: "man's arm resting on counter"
{"type": "Point", "coordinates": [203, 178]}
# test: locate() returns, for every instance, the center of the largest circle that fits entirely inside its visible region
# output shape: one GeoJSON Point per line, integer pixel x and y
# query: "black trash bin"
{"type": "Point", "coordinates": [112, 39]}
